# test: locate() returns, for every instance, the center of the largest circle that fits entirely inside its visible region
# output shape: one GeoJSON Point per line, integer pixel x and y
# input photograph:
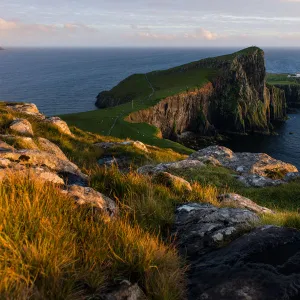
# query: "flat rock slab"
{"type": "Point", "coordinates": [168, 167]}
{"type": "Point", "coordinates": [242, 202]}
{"type": "Point", "coordinates": [203, 227]}
{"type": "Point", "coordinates": [245, 163]}
{"type": "Point", "coordinates": [261, 265]}
{"type": "Point", "coordinates": [88, 196]}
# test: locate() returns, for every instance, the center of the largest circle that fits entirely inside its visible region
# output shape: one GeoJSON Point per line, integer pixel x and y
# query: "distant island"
{"type": "Point", "coordinates": [1, 48]}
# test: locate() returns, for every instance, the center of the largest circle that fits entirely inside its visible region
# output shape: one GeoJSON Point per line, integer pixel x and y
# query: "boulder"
{"type": "Point", "coordinates": [200, 228]}
{"type": "Point", "coordinates": [26, 108]}
{"type": "Point", "coordinates": [292, 176]}
{"type": "Point", "coordinates": [40, 173]}
{"type": "Point", "coordinates": [124, 291]}
{"type": "Point", "coordinates": [173, 182]}
{"type": "Point", "coordinates": [88, 196]}
{"type": "Point", "coordinates": [61, 125]}
{"type": "Point", "coordinates": [21, 126]}
{"type": "Point", "coordinates": [23, 142]}
{"type": "Point", "coordinates": [37, 158]}
{"type": "Point", "coordinates": [168, 167]}
{"type": "Point", "coordinates": [250, 163]}
{"type": "Point", "coordinates": [253, 180]}
{"type": "Point", "coordinates": [236, 200]}
{"type": "Point", "coordinates": [261, 265]}
{"type": "Point", "coordinates": [4, 147]}
{"type": "Point", "coordinates": [47, 146]}
{"type": "Point", "coordinates": [136, 144]}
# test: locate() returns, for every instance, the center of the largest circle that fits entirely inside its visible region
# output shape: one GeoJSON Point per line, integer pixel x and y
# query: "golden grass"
{"type": "Point", "coordinates": [52, 249]}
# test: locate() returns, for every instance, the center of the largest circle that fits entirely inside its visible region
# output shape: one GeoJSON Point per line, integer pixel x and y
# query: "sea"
{"type": "Point", "coordinates": [62, 81]}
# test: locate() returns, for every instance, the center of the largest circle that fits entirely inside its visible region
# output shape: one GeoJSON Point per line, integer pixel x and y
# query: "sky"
{"type": "Point", "coordinates": [149, 23]}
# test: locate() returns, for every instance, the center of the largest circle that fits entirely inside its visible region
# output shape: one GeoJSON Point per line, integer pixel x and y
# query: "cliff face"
{"type": "Point", "coordinates": [292, 94]}
{"type": "Point", "coordinates": [236, 100]}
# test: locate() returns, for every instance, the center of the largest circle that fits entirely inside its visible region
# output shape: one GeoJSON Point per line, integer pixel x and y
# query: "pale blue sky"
{"type": "Point", "coordinates": [150, 23]}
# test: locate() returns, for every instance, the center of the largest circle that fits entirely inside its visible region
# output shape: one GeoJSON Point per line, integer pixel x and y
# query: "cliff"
{"type": "Point", "coordinates": [236, 99]}
{"type": "Point", "coordinates": [292, 94]}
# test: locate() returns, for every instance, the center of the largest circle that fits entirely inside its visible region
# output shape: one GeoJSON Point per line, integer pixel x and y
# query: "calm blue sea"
{"type": "Point", "coordinates": [62, 81]}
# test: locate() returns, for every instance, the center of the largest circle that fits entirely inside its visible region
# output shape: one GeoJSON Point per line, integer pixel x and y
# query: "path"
{"type": "Point", "coordinates": [149, 96]}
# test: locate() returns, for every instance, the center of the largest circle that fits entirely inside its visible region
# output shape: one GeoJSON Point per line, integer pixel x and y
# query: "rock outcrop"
{"type": "Point", "coordinates": [263, 264]}
{"type": "Point", "coordinates": [21, 126]}
{"type": "Point", "coordinates": [37, 157]}
{"type": "Point", "coordinates": [202, 228]}
{"type": "Point", "coordinates": [239, 201]}
{"type": "Point", "coordinates": [253, 168]}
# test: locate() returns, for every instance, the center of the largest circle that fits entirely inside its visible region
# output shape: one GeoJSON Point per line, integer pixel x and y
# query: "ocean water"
{"type": "Point", "coordinates": [61, 81]}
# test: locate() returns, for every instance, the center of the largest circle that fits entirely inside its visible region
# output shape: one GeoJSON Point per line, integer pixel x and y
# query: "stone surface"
{"type": "Point", "coordinates": [261, 265]}
{"type": "Point", "coordinates": [26, 108]}
{"type": "Point", "coordinates": [236, 200]}
{"type": "Point", "coordinates": [168, 167]}
{"type": "Point", "coordinates": [171, 181]}
{"type": "Point", "coordinates": [36, 158]}
{"type": "Point", "coordinates": [40, 173]}
{"type": "Point", "coordinates": [124, 291]}
{"type": "Point", "coordinates": [253, 180]}
{"type": "Point", "coordinates": [246, 163]}
{"type": "Point", "coordinates": [88, 196]}
{"type": "Point", "coordinates": [292, 176]}
{"type": "Point", "coordinates": [5, 147]}
{"type": "Point", "coordinates": [24, 142]}
{"type": "Point", "coordinates": [136, 144]}
{"type": "Point", "coordinates": [61, 125]}
{"type": "Point", "coordinates": [22, 126]}
{"type": "Point", "coordinates": [47, 146]}
{"type": "Point", "coordinates": [202, 227]}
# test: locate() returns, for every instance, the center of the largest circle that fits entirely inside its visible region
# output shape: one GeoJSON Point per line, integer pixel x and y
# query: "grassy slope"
{"type": "Point", "coordinates": [110, 121]}
{"type": "Point", "coordinates": [282, 79]}
{"type": "Point", "coordinates": [50, 249]}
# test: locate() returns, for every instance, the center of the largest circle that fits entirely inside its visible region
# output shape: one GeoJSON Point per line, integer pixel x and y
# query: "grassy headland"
{"type": "Point", "coordinates": [141, 91]}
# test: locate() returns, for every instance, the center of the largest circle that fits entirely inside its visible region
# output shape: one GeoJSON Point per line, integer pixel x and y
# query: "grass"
{"type": "Point", "coordinates": [282, 79]}
{"type": "Point", "coordinates": [52, 249]}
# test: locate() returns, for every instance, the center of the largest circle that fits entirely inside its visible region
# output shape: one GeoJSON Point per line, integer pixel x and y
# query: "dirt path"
{"type": "Point", "coordinates": [118, 117]}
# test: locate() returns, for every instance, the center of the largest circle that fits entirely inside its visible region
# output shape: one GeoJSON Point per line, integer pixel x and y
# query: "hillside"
{"type": "Point", "coordinates": [221, 94]}
{"type": "Point", "coordinates": [86, 216]}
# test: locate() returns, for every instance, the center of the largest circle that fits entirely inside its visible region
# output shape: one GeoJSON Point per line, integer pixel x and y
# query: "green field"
{"type": "Point", "coordinates": [141, 91]}
{"type": "Point", "coordinates": [282, 79]}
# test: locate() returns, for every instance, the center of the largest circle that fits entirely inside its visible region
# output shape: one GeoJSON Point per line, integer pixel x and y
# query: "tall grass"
{"type": "Point", "coordinates": [52, 249]}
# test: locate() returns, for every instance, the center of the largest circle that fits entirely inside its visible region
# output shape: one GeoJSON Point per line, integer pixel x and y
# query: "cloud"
{"type": "Point", "coordinates": [7, 25]}
{"type": "Point", "coordinates": [202, 33]}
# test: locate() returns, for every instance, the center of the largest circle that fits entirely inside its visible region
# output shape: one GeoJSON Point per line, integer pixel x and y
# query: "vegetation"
{"type": "Point", "coordinates": [282, 79]}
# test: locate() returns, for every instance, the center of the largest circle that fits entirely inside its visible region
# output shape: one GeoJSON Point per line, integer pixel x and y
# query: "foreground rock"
{"type": "Point", "coordinates": [21, 126]}
{"type": "Point", "coordinates": [92, 198]}
{"type": "Point", "coordinates": [173, 182]}
{"type": "Point", "coordinates": [26, 108]}
{"type": "Point", "coordinates": [136, 144]}
{"type": "Point", "coordinates": [61, 125]}
{"type": "Point", "coordinates": [202, 227]}
{"type": "Point", "coordinates": [261, 265]}
{"type": "Point", "coordinates": [246, 163]}
{"type": "Point", "coordinates": [168, 167]}
{"type": "Point", "coordinates": [21, 159]}
{"type": "Point", "coordinates": [124, 291]}
{"type": "Point", "coordinates": [236, 200]}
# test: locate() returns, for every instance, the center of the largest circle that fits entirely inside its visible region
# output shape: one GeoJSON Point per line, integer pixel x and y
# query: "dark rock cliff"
{"type": "Point", "coordinates": [236, 100]}
{"type": "Point", "coordinates": [292, 94]}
